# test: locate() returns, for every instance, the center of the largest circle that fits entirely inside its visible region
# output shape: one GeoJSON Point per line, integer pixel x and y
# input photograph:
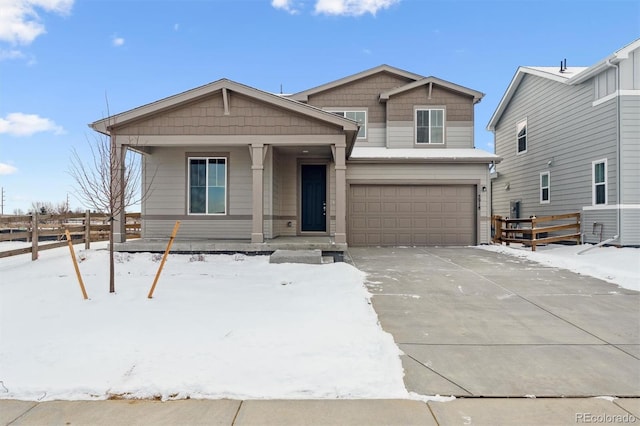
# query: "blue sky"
{"type": "Point", "coordinates": [60, 58]}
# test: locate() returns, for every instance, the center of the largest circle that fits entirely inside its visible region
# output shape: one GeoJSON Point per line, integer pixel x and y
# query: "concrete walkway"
{"type": "Point", "coordinates": [323, 412]}
{"type": "Point", "coordinates": [477, 323]}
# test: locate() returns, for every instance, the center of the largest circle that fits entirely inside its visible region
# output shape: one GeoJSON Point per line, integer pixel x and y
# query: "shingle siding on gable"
{"type": "Point", "coordinates": [400, 107]}
{"type": "Point", "coordinates": [361, 93]}
{"type": "Point", "coordinates": [247, 117]}
{"type": "Point", "coordinates": [562, 127]}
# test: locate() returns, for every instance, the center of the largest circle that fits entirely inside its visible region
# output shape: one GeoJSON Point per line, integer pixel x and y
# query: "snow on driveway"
{"type": "Point", "coordinates": [219, 326]}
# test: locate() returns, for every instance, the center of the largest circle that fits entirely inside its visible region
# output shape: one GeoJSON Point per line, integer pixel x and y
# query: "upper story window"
{"type": "Point", "coordinates": [207, 185]}
{"type": "Point", "coordinates": [521, 136]}
{"type": "Point", "coordinates": [356, 115]}
{"type": "Point", "coordinates": [599, 179]}
{"type": "Point", "coordinates": [429, 126]}
{"type": "Point", "coordinates": [545, 186]}
{"type": "Point", "coordinates": [605, 83]}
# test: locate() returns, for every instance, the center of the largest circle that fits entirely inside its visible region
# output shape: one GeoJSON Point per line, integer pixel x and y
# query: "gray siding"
{"type": "Point", "coordinates": [563, 128]}
{"type": "Point", "coordinates": [457, 134]}
{"type": "Point", "coordinates": [630, 150]}
{"type": "Point", "coordinates": [630, 227]}
{"type": "Point", "coordinates": [593, 221]}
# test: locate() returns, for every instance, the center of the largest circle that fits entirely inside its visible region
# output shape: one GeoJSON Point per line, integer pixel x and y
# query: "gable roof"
{"type": "Point", "coordinates": [477, 96]}
{"type": "Point", "coordinates": [304, 95]}
{"type": "Point", "coordinates": [105, 125]}
{"type": "Point", "coordinates": [570, 76]}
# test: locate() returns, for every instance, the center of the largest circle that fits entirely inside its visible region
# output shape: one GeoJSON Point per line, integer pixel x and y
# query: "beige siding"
{"type": "Point", "coordinates": [246, 117]}
{"type": "Point", "coordinates": [457, 135]}
{"type": "Point", "coordinates": [459, 107]}
{"type": "Point", "coordinates": [376, 136]}
{"type": "Point", "coordinates": [361, 93]}
{"type": "Point", "coordinates": [285, 176]}
{"type": "Point", "coordinates": [473, 174]}
{"type": "Point", "coordinates": [167, 199]}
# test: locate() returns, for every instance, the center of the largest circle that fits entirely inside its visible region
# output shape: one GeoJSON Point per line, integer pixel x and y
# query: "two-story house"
{"type": "Point", "coordinates": [570, 142]}
{"type": "Point", "coordinates": [382, 157]}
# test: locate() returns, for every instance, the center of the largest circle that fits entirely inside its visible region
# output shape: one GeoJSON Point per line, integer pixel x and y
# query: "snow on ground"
{"type": "Point", "coordinates": [219, 326]}
{"type": "Point", "coordinates": [619, 266]}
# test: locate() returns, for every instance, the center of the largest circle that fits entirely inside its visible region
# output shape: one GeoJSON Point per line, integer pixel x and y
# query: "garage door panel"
{"type": "Point", "coordinates": [412, 215]}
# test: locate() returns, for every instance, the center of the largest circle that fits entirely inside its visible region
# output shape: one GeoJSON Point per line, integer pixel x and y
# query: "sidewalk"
{"type": "Point", "coordinates": [462, 411]}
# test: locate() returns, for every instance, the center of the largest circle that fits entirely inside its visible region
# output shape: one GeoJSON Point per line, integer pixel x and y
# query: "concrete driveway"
{"type": "Point", "coordinates": [477, 323]}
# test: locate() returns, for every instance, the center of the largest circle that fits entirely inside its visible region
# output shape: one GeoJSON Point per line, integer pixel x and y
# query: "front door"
{"type": "Point", "coordinates": [313, 198]}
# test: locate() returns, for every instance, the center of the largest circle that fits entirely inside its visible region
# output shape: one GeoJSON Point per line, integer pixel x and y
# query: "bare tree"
{"type": "Point", "coordinates": [109, 182]}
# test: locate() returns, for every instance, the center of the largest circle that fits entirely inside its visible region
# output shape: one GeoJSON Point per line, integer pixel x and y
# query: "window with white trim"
{"type": "Point", "coordinates": [429, 126]}
{"type": "Point", "coordinates": [521, 136]}
{"type": "Point", "coordinates": [356, 115]}
{"type": "Point", "coordinates": [599, 179]}
{"type": "Point", "coordinates": [545, 188]}
{"type": "Point", "coordinates": [207, 185]}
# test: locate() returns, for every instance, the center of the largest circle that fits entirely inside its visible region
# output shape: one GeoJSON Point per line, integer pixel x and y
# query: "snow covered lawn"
{"type": "Point", "coordinates": [620, 266]}
{"type": "Point", "coordinates": [219, 326]}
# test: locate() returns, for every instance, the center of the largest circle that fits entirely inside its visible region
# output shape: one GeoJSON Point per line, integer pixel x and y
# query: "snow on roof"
{"type": "Point", "coordinates": [445, 154]}
{"type": "Point", "coordinates": [555, 71]}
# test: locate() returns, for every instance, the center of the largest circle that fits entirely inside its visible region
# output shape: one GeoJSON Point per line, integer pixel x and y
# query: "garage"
{"type": "Point", "coordinates": [412, 215]}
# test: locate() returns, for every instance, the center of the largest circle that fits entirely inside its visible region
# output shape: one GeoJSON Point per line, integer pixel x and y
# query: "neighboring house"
{"type": "Point", "coordinates": [382, 157]}
{"type": "Point", "coordinates": [570, 142]}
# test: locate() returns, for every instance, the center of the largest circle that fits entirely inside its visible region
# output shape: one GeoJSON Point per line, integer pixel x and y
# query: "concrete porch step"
{"type": "Point", "coordinates": [296, 256]}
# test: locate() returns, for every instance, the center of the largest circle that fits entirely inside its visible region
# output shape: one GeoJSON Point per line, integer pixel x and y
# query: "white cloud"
{"type": "Point", "coordinates": [117, 41]}
{"type": "Point", "coordinates": [21, 24]}
{"type": "Point", "coordinates": [352, 7]}
{"type": "Point", "coordinates": [10, 54]}
{"type": "Point", "coordinates": [286, 5]}
{"type": "Point", "coordinates": [7, 169]}
{"type": "Point", "coordinates": [20, 124]}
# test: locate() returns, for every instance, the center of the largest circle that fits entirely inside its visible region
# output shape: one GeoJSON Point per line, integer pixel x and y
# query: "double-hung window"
{"type": "Point", "coordinates": [429, 126]}
{"type": "Point", "coordinates": [355, 115]}
{"type": "Point", "coordinates": [545, 187]}
{"type": "Point", "coordinates": [599, 178]}
{"type": "Point", "coordinates": [207, 185]}
{"type": "Point", "coordinates": [521, 136]}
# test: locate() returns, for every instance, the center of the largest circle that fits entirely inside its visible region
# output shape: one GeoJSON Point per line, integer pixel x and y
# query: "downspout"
{"type": "Point", "coordinates": [618, 159]}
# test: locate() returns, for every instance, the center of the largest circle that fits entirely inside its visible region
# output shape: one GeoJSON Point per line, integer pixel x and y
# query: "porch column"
{"type": "Point", "coordinates": [257, 168]}
{"type": "Point", "coordinates": [118, 183]}
{"type": "Point", "coordinates": [341, 195]}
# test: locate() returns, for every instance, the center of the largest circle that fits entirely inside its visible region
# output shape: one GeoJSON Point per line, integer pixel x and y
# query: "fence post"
{"type": "Point", "coordinates": [34, 236]}
{"type": "Point", "coordinates": [497, 237]}
{"type": "Point", "coordinates": [534, 233]}
{"type": "Point", "coordinates": [87, 229]}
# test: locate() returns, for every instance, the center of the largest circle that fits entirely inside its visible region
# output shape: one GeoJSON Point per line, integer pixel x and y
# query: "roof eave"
{"type": "Point", "coordinates": [304, 95]}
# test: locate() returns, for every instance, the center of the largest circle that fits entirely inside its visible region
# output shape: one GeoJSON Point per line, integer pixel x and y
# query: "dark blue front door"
{"type": "Point", "coordinates": [314, 197]}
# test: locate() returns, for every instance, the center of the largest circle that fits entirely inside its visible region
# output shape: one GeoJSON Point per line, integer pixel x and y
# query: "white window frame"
{"type": "Point", "coordinates": [519, 126]}
{"type": "Point", "coordinates": [548, 188]}
{"type": "Point", "coordinates": [344, 112]}
{"type": "Point", "coordinates": [595, 184]}
{"type": "Point", "coordinates": [206, 203]}
{"type": "Point", "coordinates": [415, 125]}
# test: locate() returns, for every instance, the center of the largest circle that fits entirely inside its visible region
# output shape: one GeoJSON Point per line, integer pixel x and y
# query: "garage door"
{"type": "Point", "coordinates": [394, 215]}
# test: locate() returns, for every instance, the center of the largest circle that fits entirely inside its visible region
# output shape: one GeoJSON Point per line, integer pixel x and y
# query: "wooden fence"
{"type": "Point", "coordinates": [46, 232]}
{"type": "Point", "coordinates": [529, 231]}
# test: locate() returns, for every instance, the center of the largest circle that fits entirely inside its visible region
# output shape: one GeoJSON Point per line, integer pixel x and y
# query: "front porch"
{"type": "Point", "coordinates": [326, 244]}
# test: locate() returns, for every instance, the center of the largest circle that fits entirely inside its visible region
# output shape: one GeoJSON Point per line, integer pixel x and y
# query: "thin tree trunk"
{"type": "Point", "coordinates": [112, 282]}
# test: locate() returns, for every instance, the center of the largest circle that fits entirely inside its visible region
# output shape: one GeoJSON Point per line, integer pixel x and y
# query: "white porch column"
{"type": "Point", "coordinates": [341, 195]}
{"type": "Point", "coordinates": [257, 168]}
{"type": "Point", "coordinates": [118, 189]}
